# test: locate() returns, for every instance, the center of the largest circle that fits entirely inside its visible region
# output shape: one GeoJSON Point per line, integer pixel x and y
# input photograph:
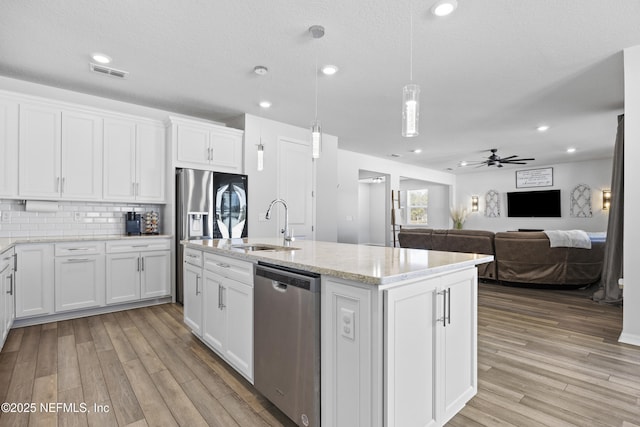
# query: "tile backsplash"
{"type": "Point", "coordinates": [71, 219]}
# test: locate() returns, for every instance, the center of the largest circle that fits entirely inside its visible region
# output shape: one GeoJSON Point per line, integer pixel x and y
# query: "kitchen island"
{"type": "Point", "coordinates": [398, 326]}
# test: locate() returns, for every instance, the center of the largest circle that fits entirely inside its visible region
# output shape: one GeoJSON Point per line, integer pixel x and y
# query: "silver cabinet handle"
{"type": "Point", "coordinates": [140, 246]}
{"type": "Point", "coordinates": [133, 188]}
{"type": "Point", "coordinates": [15, 262]}
{"type": "Point", "coordinates": [221, 290]}
{"type": "Point", "coordinates": [444, 308]}
{"type": "Point", "coordinates": [62, 188]}
{"type": "Point", "coordinates": [142, 258]}
{"type": "Point", "coordinates": [10, 291]}
{"type": "Point", "coordinates": [78, 249]}
{"type": "Point", "coordinates": [78, 260]}
{"type": "Point", "coordinates": [222, 265]}
{"type": "Point", "coordinates": [197, 280]}
{"type": "Point", "coordinates": [138, 263]}
{"type": "Point", "coordinates": [449, 306]}
{"type": "Point", "coordinates": [57, 184]}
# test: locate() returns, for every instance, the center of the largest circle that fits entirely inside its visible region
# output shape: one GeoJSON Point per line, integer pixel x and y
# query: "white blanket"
{"type": "Point", "coordinates": [568, 239]}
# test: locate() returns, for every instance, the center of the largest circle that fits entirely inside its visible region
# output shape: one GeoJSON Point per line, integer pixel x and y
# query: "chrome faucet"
{"type": "Point", "coordinates": [288, 238]}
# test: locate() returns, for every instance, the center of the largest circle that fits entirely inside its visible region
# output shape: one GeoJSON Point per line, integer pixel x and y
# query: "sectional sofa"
{"type": "Point", "coordinates": [519, 257]}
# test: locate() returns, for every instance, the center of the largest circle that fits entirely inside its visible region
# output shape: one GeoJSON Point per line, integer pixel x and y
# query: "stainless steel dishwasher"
{"type": "Point", "coordinates": [286, 340]}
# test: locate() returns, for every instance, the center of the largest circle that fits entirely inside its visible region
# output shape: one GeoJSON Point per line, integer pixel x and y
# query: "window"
{"type": "Point", "coordinates": [417, 201]}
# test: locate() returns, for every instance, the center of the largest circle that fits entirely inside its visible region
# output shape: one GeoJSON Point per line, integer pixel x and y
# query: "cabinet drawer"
{"type": "Point", "coordinates": [121, 246]}
{"type": "Point", "coordinates": [241, 271]}
{"type": "Point", "coordinates": [193, 257]}
{"type": "Point", "coordinates": [79, 248]}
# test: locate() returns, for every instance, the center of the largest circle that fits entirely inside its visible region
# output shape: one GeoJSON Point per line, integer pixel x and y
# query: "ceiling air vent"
{"type": "Point", "coordinates": [108, 71]}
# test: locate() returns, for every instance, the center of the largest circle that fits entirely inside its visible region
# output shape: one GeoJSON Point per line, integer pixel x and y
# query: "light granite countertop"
{"type": "Point", "coordinates": [7, 243]}
{"type": "Point", "coordinates": [374, 265]}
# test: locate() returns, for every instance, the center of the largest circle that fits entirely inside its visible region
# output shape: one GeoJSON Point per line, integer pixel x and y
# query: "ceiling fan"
{"type": "Point", "coordinates": [495, 160]}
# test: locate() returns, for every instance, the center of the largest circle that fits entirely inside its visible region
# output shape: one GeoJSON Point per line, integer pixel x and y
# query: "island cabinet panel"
{"type": "Point", "coordinates": [430, 349]}
{"type": "Point", "coordinates": [193, 298]}
{"type": "Point", "coordinates": [347, 356]}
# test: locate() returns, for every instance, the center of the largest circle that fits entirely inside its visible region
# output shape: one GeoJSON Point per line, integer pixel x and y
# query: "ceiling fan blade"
{"type": "Point", "coordinates": [507, 158]}
{"type": "Point", "coordinates": [515, 163]}
{"type": "Point", "coordinates": [525, 160]}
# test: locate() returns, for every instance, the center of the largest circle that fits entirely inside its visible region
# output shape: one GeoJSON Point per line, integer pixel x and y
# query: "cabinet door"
{"type": "Point", "coordinates": [411, 314]}
{"type": "Point", "coordinates": [79, 282]}
{"type": "Point", "coordinates": [150, 163]}
{"type": "Point", "coordinates": [123, 277]}
{"type": "Point", "coordinates": [119, 160]}
{"type": "Point", "coordinates": [238, 299]}
{"type": "Point", "coordinates": [459, 347]}
{"type": "Point", "coordinates": [155, 278]}
{"type": "Point", "coordinates": [34, 280]}
{"type": "Point", "coordinates": [9, 302]}
{"type": "Point", "coordinates": [215, 315]}
{"type": "Point", "coordinates": [3, 303]}
{"type": "Point", "coordinates": [193, 298]}
{"type": "Point", "coordinates": [39, 156]}
{"type": "Point", "coordinates": [226, 150]}
{"type": "Point", "coordinates": [8, 148]}
{"type": "Point", "coordinates": [81, 156]}
{"type": "Point", "coordinates": [193, 146]}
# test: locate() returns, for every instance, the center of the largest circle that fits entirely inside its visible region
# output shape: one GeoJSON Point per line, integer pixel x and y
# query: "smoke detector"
{"type": "Point", "coordinates": [101, 69]}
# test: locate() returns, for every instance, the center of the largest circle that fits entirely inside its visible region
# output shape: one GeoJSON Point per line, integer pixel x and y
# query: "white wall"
{"type": "Point", "coordinates": [438, 208]}
{"type": "Point", "coordinates": [349, 165]}
{"type": "Point", "coordinates": [631, 320]}
{"type": "Point", "coordinates": [364, 223]}
{"type": "Point", "coordinates": [595, 173]}
{"type": "Point", "coordinates": [263, 185]}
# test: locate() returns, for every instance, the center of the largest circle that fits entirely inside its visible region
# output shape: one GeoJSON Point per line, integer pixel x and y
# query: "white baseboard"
{"type": "Point", "coordinates": [629, 339]}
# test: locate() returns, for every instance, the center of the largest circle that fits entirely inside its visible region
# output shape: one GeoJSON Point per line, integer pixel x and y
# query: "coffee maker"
{"type": "Point", "coordinates": [133, 227]}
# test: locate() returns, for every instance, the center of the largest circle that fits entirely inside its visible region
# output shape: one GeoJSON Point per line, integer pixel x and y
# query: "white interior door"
{"type": "Point", "coordinates": [295, 185]}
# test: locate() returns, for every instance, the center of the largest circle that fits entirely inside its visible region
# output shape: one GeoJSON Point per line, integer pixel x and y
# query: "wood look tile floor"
{"type": "Point", "coordinates": [546, 358]}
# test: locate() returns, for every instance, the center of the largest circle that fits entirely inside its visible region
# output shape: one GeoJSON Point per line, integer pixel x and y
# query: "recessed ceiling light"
{"type": "Point", "coordinates": [101, 58]}
{"type": "Point", "coordinates": [444, 7]}
{"type": "Point", "coordinates": [463, 163]}
{"type": "Point", "coordinates": [260, 70]}
{"type": "Point", "coordinates": [416, 151]}
{"type": "Point", "coordinates": [542, 128]}
{"type": "Point", "coordinates": [329, 70]}
{"type": "Point", "coordinates": [264, 104]}
{"type": "Point", "coordinates": [571, 150]}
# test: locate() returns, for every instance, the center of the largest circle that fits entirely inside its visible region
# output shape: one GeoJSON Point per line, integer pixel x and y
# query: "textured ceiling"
{"type": "Point", "coordinates": [489, 73]}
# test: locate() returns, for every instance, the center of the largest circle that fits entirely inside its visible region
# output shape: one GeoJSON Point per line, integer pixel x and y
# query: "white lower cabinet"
{"type": "Point", "coordinates": [193, 298]}
{"type": "Point", "coordinates": [79, 282]}
{"type": "Point", "coordinates": [218, 307]}
{"type": "Point", "coordinates": [7, 294]}
{"type": "Point", "coordinates": [137, 270]}
{"type": "Point", "coordinates": [34, 280]}
{"type": "Point", "coordinates": [430, 349]}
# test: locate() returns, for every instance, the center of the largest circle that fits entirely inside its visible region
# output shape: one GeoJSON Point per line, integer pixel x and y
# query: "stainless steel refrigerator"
{"type": "Point", "coordinates": [209, 205]}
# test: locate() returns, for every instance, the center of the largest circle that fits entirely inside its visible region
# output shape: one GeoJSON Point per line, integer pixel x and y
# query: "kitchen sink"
{"type": "Point", "coordinates": [262, 247]}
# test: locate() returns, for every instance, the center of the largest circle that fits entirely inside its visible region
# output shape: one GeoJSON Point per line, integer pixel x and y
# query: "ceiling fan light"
{"type": "Point", "coordinates": [542, 128]}
{"type": "Point", "coordinates": [571, 150]}
{"type": "Point", "coordinates": [101, 58]}
{"type": "Point", "coordinates": [329, 70]}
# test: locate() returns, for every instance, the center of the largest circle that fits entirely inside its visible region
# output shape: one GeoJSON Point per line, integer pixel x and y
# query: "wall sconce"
{"type": "Point", "coordinates": [606, 200]}
{"type": "Point", "coordinates": [474, 203]}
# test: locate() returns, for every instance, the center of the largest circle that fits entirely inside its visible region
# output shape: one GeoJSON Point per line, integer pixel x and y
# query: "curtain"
{"type": "Point", "coordinates": [609, 290]}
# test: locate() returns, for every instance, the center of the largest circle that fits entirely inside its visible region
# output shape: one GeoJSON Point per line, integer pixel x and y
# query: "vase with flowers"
{"type": "Point", "coordinates": [459, 216]}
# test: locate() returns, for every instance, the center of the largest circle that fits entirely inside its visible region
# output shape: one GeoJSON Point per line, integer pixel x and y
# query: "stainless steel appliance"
{"type": "Point", "coordinates": [209, 205]}
{"type": "Point", "coordinates": [286, 339]}
{"type": "Point", "coordinates": [133, 227]}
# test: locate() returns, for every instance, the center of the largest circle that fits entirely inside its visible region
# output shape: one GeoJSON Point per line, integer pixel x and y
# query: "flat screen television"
{"type": "Point", "coordinates": [534, 204]}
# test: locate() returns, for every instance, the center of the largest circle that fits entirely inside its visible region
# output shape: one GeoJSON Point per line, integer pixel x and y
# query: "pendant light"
{"type": "Point", "coordinates": [317, 31]}
{"type": "Point", "coordinates": [261, 70]}
{"type": "Point", "coordinates": [411, 92]}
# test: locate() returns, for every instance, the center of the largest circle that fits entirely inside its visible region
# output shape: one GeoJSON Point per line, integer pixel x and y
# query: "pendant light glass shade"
{"type": "Point", "coordinates": [410, 110]}
{"type": "Point", "coordinates": [260, 156]}
{"type": "Point", "coordinates": [316, 139]}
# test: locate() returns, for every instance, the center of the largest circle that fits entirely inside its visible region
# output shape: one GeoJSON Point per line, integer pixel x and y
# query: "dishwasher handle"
{"type": "Point", "coordinates": [278, 286]}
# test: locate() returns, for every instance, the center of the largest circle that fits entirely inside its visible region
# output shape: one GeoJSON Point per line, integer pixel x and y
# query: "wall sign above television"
{"type": "Point", "coordinates": [534, 178]}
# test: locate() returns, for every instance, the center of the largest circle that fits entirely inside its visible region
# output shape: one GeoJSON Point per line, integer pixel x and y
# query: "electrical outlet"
{"type": "Point", "coordinates": [6, 216]}
{"type": "Point", "coordinates": [347, 320]}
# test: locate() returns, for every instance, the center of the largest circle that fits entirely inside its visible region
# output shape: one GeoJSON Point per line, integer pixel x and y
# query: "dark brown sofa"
{"type": "Point", "coordinates": [526, 257]}
{"type": "Point", "coordinates": [468, 241]}
{"type": "Point", "coordinates": [520, 257]}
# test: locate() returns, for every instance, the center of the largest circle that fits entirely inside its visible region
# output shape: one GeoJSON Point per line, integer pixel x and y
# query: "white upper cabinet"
{"type": "Point", "coordinates": [81, 156]}
{"type": "Point", "coordinates": [206, 146]}
{"type": "Point", "coordinates": [8, 148]}
{"type": "Point", "coordinates": [134, 161]}
{"type": "Point", "coordinates": [40, 139]}
{"type": "Point", "coordinates": [60, 153]}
